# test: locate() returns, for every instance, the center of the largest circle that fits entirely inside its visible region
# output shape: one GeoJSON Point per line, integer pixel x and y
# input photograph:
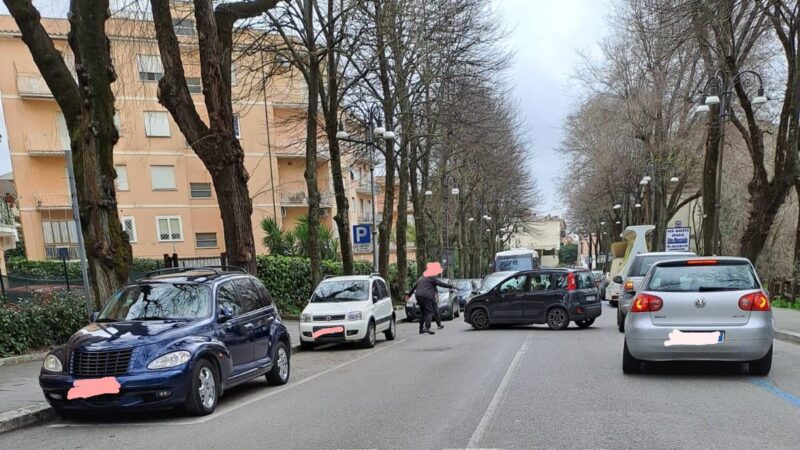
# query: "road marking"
{"type": "Point", "coordinates": [498, 397]}
{"type": "Point", "coordinates": [221, 412]}
{"type": "Point", "coordinates": [768, 386]}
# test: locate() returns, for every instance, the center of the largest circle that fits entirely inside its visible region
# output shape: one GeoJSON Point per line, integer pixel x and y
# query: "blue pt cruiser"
{"type": "Point", "coordinates": [175, 338]}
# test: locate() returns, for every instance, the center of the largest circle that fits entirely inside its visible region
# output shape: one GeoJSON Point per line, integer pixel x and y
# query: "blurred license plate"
{"type": "Point", "coordinates": [720, 338]}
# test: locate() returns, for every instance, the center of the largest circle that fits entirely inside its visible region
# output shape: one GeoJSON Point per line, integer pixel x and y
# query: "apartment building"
{"type": "Point", "coordinates": [543, 234]}
{"type": "Point", "coordinates": [166, 200]}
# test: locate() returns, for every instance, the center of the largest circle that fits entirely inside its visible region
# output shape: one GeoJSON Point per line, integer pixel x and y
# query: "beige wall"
{"type": "Point", "coordinates": [543, 235]}
{"type": "Point", "coordinates": [39, 167]}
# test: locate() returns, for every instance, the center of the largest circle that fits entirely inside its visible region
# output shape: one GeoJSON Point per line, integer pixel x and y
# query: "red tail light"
{"type": "Point", "coordinates": [646, 303]}
{"type": "Point", "coordinates": [702, 262]}
{"type": "Point", "coordinates": [754, 301]}
{"type": "Point", "coordinates": [571, 285]}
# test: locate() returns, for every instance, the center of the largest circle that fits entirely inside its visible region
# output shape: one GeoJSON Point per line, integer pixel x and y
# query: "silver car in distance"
{"type": "Point", "coordinates": [700, 309]}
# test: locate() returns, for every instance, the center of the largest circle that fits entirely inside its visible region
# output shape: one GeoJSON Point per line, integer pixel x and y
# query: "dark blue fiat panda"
{"type": "Point", "coordinates": [175, 338]}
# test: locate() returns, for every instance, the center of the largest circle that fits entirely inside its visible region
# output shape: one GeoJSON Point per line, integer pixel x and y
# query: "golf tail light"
{"type": "Point", "coordinates": [646, 303]}
{"type": "Point", "coordinates": [754, 301]}
{"type": "Point", "coordinates": [571, 285]}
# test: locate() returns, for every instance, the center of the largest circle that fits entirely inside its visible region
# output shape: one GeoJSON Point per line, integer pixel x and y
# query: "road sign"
{"type": "Point", "coordinates": [678, 239]}
{"type": "Point", "coordinates": [362, 238]}
{"type": "Point", "coordinates": [362, 234]}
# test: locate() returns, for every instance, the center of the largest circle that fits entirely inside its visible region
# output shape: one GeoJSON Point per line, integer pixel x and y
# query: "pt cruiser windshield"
{"type": "Point", "coordinates": [158, 302]}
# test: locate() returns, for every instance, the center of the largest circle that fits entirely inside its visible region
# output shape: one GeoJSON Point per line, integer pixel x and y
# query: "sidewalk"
{"type": "Point", "coordinates": [21, 399]}
{"type": "Point", "coordinates": [787, 324]}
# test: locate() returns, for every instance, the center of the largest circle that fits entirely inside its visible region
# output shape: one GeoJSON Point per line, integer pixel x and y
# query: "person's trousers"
{"type": "Point", "coordinates": [437, 316]}
{"type": "Point", "coordinates": [425, 313]}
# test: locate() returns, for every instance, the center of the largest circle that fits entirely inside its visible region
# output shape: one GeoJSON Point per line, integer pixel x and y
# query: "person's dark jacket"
{"type": "Point", "coordinates": [425, 287]}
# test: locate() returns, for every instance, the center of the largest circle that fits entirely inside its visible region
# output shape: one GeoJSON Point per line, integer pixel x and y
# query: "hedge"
{"type": "Point", "coordinates": [54, 270]}
{"type": "Point", "coordinates": [289, 279]}
{"type": "Point", "coordinates": [41, 322]}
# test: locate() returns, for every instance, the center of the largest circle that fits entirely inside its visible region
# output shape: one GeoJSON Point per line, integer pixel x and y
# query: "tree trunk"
{"type": "Point", "coordinates": [311, 144]}
{"type": "Point", "coordinates": [88, 109]}
{"type": "Point", "coordinates": [385, 227]}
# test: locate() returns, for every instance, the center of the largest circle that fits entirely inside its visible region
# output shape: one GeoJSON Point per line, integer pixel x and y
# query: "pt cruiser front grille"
{"type": "Point", "coordinates": [100, 364]}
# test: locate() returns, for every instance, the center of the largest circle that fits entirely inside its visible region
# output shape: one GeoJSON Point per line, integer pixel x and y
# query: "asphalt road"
{"type": "Point", "coordinates": [513, 388]}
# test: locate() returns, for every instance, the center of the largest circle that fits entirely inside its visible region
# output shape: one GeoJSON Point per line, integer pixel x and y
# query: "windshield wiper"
{"type": "Point", "coordinates": [154, 318]}
{"type": "Point", "coordinates": [106, 319]}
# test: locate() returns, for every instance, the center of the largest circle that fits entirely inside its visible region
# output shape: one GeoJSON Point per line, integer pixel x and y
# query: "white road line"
{"type": "Point", "coordinates": [498, 397]}
{"type": "Point", "coordinates": [219, 413]}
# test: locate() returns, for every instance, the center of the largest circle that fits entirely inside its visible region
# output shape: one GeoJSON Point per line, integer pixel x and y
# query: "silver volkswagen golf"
{"type": "Point", "coordinates": [696, 309]}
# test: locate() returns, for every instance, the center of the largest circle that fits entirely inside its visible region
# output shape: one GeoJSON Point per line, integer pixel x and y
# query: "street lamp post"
{"type": "Point", "coordinates": [719, 91]}
{"type": "Point", "coordinates": [380, 131]}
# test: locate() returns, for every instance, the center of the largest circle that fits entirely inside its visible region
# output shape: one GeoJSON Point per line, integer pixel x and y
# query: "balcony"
{"type": "Point", "coordinates": [300, 199]}
{"type": "Point", "coordinates": [51, 250]}
{"type": "Point", "coordinates": [365, 218]}
{"type": "Point", "coordinates": [53, 200]}
{"type": "Point", "coordinates": [366, 188]}
{"type": "Point", "coordinates": [43, 144]}
{"type": "Point", "coordinates": [32, 85]}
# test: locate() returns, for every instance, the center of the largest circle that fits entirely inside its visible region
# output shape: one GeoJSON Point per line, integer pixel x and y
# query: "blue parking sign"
{"type": "Point", "coordinates": [362, 234]}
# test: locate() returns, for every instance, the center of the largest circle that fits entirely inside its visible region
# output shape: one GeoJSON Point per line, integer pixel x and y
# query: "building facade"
{"type": "Point", "coordinates": [543, 234]}
{"type": "Point", "coordinates": [165, 197]}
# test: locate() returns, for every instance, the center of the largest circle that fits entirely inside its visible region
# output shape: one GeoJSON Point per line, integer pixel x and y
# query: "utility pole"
{"type": "Point", "coordinates": [76, 216]}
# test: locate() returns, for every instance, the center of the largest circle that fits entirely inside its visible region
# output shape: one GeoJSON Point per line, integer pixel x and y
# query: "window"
{"type": "Point", "coordinates": [236, 129]}
{"type": "Point", "coordinates": [540, 282]}
{"type": "Point", "coordinates": [516, 284]}
{"type": "Point", "coordinates": [59, 233]}
{"type": "Point", "coordinates": [162, 177]}
{"type": "Point", "coordinates": [63, 132]}
{"type": "Point", "coordinates": [183, 26]}
{"type": "Point", "coordinates": [266, 299]}
{"type": "Point", "coordinates": [117, 122]}
{"type": "Point", "coordinates": [156, 124]}
{"type": "Point", "coordinates": [129, 226]}
{"type": "Point", "coordinates": [169, 228]}
{"type": "Point", "coordinates": [233, 75]}
{"type": "Point", "coordinates": [227, 298]}
{"type": "Point", "coordinates": [122, 177]}
{"type": "Point", "coordinates": [200, 190]}
{"type": "Point", "coordinates": [194, 84]}
{"type": "Point", "coordinates": [584, 280]}
{"type": "Point", "coordinates": [205, 240]}
{"type": "Point", "coordinates": [150, 68]}
{"type": "Point", "coordinates": [376, 292]}
{"type": "Point", "coordinates": [384, 292]}
{"type": "Point", "coordinates": [248, 295]}
{"type": "Point", "coordinates": [284, 211]}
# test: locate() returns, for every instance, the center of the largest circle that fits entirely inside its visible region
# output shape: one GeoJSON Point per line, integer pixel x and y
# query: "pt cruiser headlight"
{"type": "Point", "coordinates": [354, 315]}
{"type": "Point", "coordinates": [305, 317]}
{"type": "Point", "coordinates": [170, 360]}
{"type": "Point", "coordinates": [52, 364]}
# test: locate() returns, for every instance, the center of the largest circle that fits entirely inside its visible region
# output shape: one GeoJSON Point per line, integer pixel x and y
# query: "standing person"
{"type": "Point", "coordinates": [425, 288]}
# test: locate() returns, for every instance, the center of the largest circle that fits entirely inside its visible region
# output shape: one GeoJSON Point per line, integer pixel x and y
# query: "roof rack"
{"type": "Point", "coordinates": [214, 269]}
{"type": "Point", "coordinates": [375, 274]}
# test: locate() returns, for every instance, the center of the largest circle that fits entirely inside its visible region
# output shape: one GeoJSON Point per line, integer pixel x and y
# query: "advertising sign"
{"type": "Point", "coordinates": [678, 239]}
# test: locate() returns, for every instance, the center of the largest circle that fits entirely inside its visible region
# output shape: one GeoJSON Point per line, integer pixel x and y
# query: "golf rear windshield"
{"type": "Point", "coordinates": [703, 278]}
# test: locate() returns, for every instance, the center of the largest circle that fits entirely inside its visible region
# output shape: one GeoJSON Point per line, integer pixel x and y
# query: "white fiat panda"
{"type": "Point", "coordinates": [348, 309]}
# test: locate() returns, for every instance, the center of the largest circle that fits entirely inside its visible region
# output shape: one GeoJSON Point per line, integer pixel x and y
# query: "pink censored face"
{"type": "Point", "coordinates": [331, 330]}
{"type": "Point", "coordinates": [93, 387]}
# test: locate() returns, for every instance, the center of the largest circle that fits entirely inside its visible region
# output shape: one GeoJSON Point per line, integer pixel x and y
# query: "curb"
{"type": "Point", "coordinates": [788, 336]}
{"type": "Point", "coordinates": [27, 415]}
{"type": "Point", "coordinates": [22, 359]}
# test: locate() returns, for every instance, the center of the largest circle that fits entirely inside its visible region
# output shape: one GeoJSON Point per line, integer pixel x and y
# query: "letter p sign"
{"type": "Point", "coordinates": [362, 234]}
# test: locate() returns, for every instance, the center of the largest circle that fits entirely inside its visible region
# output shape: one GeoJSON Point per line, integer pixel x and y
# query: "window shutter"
{"type": "Point", "coordinates": [162, 177]}
{"type": "Point", "coordinates": [122, 177]}
{"type": "Point", "coordinates": [156, 124]}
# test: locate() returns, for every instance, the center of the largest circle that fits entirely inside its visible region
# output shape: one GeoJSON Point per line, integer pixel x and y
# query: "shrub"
{"type": "Point", "coordinates": [40, 322]}
{"type": "Point", "coordinates": [54, 270]}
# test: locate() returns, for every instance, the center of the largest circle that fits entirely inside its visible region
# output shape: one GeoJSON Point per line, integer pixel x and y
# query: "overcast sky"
{"type": "Point", "coordinates": [546, 36]}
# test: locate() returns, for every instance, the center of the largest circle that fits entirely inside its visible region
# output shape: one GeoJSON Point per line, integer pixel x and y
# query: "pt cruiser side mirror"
{"type": "Point", "coordinates": [225, 314]}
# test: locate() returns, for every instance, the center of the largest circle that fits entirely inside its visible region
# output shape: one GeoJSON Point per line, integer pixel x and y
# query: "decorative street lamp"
{"type": "Point", "coordinates": [719, 91]}
{"type": "Point", "coordinates": [380, 132]}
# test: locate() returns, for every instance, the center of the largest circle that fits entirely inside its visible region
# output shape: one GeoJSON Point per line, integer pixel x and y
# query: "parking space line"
{"type": "Point", "coordinates": [769, 386]}
{"type": "Point", "coordinates": [221, 412]}
{"type": "Point", "coordinates": [499, 395]}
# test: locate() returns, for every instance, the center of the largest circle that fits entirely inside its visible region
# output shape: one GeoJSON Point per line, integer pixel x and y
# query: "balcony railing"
{"type": "Point", "coordinates": [42, 144]}
{"type": "Point", "coordinates": [291, 199]}
{"type": "Point", "coordinates": [52, 200]}
{"type": "Point", "coordinates": [366, 188]}
{"type": "Point", "coordinates": [365, 218]}
{"type": "Point", "coordinates": [6, 215]}
{"type": "Point", "coordinates": [32, 85]}
{"type": "Point", "coordinates": [51, 250]}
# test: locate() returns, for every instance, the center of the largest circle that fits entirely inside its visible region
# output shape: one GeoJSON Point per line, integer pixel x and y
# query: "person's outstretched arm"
{"type": "Point", "coordinates": [441, 283]}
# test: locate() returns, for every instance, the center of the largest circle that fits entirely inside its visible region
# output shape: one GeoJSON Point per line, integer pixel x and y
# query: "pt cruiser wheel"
{"type": "Point", "coordinates": [279, 374]}
{"type": "Point", "coordinates": [202, 397]}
